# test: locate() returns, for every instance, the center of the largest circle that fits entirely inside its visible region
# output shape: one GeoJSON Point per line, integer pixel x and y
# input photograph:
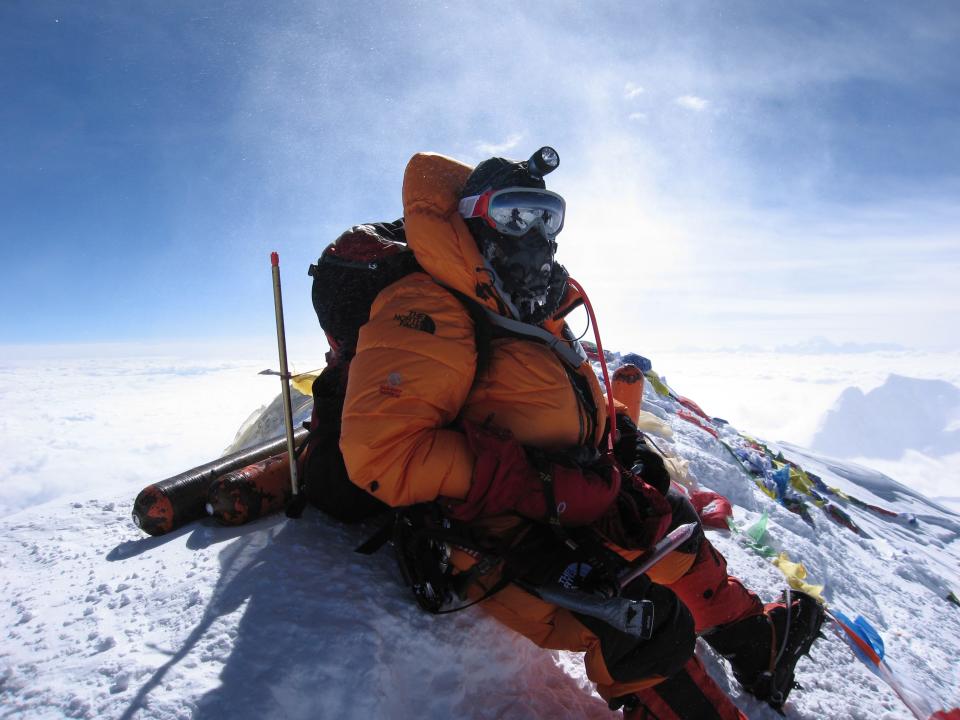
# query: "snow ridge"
{"type": "Point", "coordinates": [281, 619]}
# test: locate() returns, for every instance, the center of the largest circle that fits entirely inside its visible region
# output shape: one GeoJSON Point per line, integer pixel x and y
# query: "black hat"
{"type": "Point", "coordinates": [499, 172]}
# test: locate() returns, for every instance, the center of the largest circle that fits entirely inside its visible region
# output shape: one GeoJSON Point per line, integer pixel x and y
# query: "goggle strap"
{"type": "Point", "coordinates": [474, 205]}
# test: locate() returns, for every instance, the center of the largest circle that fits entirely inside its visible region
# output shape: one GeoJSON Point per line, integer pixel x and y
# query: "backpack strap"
{"type": "Point", "coordinates": [570, 351]}
{"type": "Point", "coordinates": [489, 324]}
{"type": "Point", "coordinates": [377, 540]}
{"type": "Point", "coordinates": [482, 328]}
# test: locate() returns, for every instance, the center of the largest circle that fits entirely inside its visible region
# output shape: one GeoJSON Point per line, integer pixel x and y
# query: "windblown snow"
{"type": "Point", "coordinates": [281, 619]}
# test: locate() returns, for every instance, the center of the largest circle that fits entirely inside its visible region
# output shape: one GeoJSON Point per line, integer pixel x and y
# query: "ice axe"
{"type": "Point", "coordinates": [668, 543]}
{"type": "Point", "coordinates": [634, 617]}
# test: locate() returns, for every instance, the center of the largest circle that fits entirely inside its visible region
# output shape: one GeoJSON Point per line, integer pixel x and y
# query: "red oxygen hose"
{"type": "Point", "coordinates": [611, 409]}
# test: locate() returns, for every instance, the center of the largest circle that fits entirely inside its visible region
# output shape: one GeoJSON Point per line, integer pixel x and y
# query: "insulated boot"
{"type": "Point", "coordinates": [763, 650]}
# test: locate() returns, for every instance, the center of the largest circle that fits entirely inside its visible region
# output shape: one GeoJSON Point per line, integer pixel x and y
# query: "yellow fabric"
{"type": "Point", "coordinates": [304, 382]}
{"type": "Point", "coordinates": [772, 494]}
{"type": "Point", "coordinates": [800, 480]}
{"type": "Point", "coordinates": [796, 573]}
{"type": "Point", "coordinates": [679, 471]}
{"type": "Point", "coordinates": [657, 383]}
{"type": "Point", "coordinates": [650, 423]}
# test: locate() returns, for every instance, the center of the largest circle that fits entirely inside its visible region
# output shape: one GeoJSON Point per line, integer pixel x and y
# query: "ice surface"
{"type": "Point", "coordinates": [281, 619]}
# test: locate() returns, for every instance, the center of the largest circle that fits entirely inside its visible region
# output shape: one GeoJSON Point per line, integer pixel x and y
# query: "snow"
{"type": "Point", "coordinates": [100, 417]}
{"type": "Point", "coordinates": [281, 619]}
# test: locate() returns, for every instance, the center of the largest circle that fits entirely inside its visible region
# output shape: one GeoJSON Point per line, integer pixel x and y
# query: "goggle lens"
{"type": "Point", "coordinates": [514, 211]}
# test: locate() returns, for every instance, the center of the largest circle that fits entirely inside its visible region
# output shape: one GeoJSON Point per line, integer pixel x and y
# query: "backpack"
{"type": "Point", "coordinates": [347, 278]}
{"type": "Point", "coordinates": [351, 272]}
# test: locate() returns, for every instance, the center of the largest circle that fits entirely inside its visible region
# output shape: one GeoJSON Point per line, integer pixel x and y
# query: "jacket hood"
{"type": "Point", "coordinates": [438, 236]}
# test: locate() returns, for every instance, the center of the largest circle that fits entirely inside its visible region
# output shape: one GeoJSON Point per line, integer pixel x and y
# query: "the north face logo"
{"type": "Point", "coordinates": [417, 321]}
{"type": "Point", "coordinates": [392, 386]}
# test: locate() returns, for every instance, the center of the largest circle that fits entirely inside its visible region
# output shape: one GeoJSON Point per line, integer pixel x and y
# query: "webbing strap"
{"type": "Point", "coordinates": [571, 353]}
{"type": "Point", "coordinates": [498, 586]}
{"type": "Point", "coordinates": [377, 540]}
{"type": "Point", "coordinates": [553, 511]}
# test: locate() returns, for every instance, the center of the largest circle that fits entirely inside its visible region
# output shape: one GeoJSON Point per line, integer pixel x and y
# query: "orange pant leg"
{"type": "Point", "coordinates": [554, 628]}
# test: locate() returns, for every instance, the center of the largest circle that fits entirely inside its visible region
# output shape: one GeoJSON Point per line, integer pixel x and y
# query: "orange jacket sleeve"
{"type": "Point", "coordinates": [414, 367]}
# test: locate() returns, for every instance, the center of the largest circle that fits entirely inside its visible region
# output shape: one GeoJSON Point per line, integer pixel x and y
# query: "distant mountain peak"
{"type": "Point", "coordinates": [821, 346]}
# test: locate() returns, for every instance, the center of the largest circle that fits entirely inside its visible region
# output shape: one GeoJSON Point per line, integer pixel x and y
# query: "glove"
{"type": "Point", "coordinates": [505, 480]}
{"type": "Point", "coordinates": [640, 516]}
{"type": "Point", "coordinates": [632, 451]}
{"type": "Point", "coordinates": [625, 449]}
{"type": "Point", "coordinates": [649, 465]}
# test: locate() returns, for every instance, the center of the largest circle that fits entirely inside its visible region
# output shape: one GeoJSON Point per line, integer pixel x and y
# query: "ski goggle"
{"type": "Point", "coordinates": [516, 210]}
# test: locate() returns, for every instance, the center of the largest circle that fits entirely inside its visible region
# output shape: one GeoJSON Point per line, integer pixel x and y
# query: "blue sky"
{"type": "Point", "coordinates": [736, 173]}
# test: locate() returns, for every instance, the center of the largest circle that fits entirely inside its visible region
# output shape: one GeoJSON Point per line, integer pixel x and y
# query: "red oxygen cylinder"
{"type": "Point", "coordinates": [251, 492]}
{"type": "Point", "coordinates": [170, 503]}
{"type": "Point", "coordinates": [178, 500]}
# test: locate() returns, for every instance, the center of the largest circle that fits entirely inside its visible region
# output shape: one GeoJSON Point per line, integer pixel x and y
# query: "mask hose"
{"type": "Point", "coordinates": [611, 409]}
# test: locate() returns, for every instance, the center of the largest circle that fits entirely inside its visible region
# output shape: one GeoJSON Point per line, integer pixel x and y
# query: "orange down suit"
{"type": "Point", "coordinates": [413, 377]}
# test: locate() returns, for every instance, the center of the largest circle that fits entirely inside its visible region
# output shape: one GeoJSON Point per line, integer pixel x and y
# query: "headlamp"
{"type": "Point", "coordinates": [543, 162]}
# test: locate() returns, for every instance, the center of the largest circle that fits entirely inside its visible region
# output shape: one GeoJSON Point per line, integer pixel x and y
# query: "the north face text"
{"type": "Point", "coordinates": [417, 321]}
